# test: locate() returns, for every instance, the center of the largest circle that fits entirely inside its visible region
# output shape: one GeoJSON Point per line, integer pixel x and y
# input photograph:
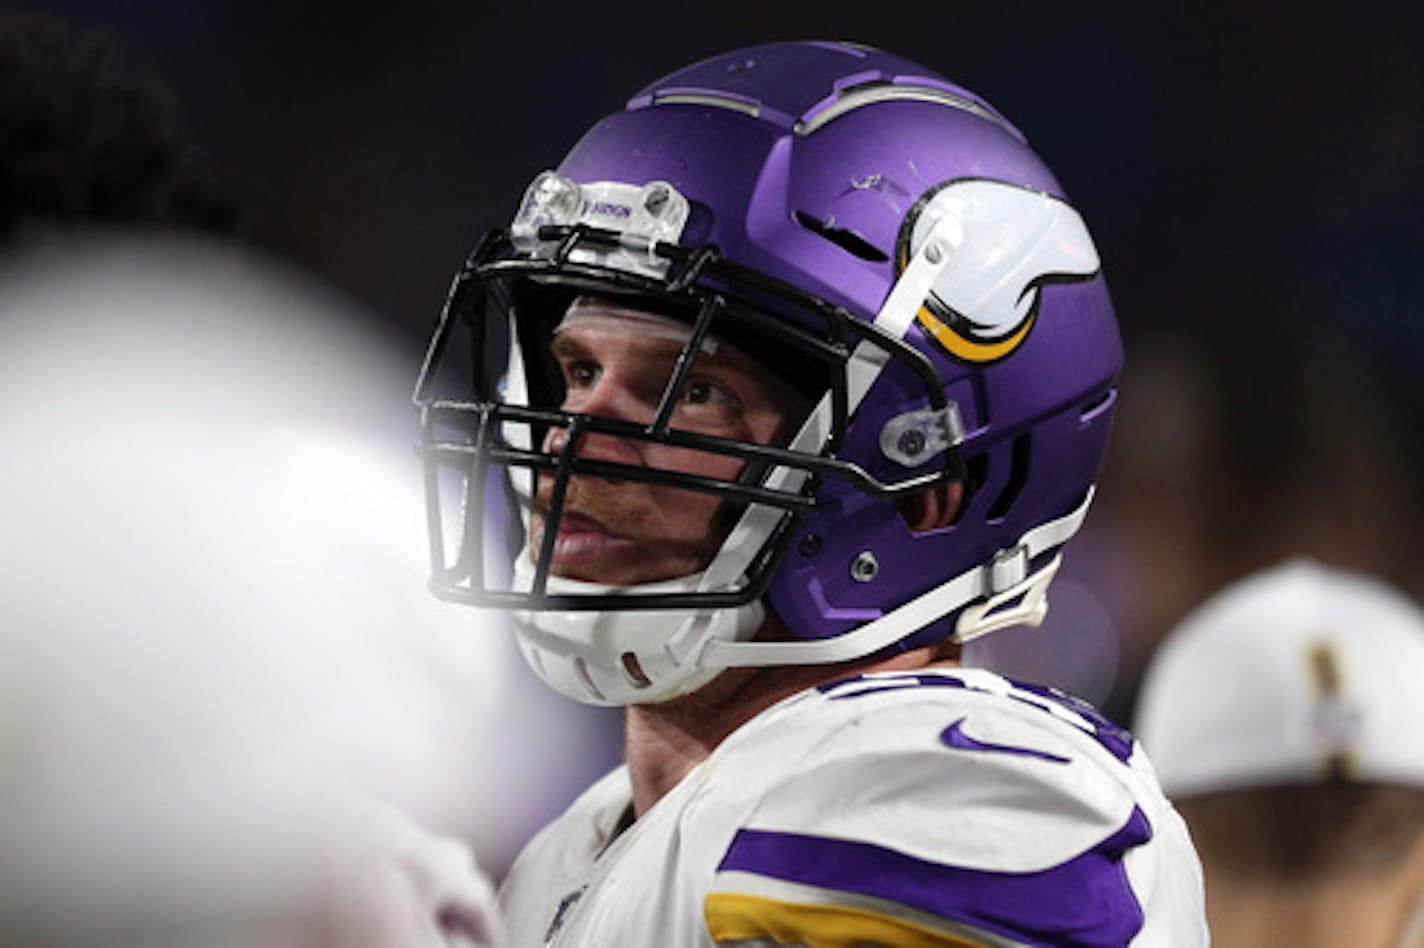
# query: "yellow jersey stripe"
{"type": "Point", "coordinates": [733, 917]}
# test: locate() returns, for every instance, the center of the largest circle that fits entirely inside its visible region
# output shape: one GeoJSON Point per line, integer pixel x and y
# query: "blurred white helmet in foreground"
{"type": "Point", "coordinates": [213, 621]}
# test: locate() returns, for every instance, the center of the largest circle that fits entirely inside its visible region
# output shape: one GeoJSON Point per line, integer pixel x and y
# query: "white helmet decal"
{"type": "Point", "coordinates": [1015, 240]}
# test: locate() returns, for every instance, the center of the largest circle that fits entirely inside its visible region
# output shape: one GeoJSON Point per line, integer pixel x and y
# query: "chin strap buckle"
{"type": "Point", "coordinates": [1013, 592]}
{"type": "Point", "coordinates": [1015, 595]}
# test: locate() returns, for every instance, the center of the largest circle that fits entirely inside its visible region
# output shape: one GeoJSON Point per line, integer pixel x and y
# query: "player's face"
{"type": "Point", "coordinates": [625, 532]}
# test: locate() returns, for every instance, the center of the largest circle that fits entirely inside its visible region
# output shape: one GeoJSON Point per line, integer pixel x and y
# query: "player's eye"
{"type": "Point", "coordinates": [706, 392]}
{"type": "Point", "coordinates": [581, 374]}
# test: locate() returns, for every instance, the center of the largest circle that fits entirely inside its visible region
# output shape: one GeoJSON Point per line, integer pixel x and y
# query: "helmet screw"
{"type": "Point", "coordinates": [810, 545]}
{"type": "Point", "coordinates": [656, 201]}
{"type": "Point", "coordinates": [864, 567]}
{"type": "Point", "coordinates": [912, 442]}
{"type": "Point", "coordinates": [934, 253]}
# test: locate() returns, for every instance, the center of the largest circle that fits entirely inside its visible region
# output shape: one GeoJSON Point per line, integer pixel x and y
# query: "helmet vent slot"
{"type": "Point", "coordinates": [1097, 406]}
{"type": "Point", "coordinates": [1018, 477]}
{"type": "Point", "coordinates": [976, 472]}
{"type": "Point", "coordinates": [581, 667]}
{"type": "Point", "coordinates": [847, 240]}
{"type": "Point", "coordinates": [862, 94]}
{"type": "Point", "coordinates": [633, 669]}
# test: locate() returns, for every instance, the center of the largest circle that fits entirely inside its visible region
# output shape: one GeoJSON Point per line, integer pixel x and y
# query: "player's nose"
{"type": "Point", "coordinates": [609, 399]}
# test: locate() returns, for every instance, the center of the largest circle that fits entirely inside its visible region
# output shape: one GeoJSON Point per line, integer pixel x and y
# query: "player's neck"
{"type": "Point", "coordinates": [663, 742]}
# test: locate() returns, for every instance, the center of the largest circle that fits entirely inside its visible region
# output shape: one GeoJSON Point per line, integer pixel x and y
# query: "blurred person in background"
{"type": "Point", "coordinates": [1253, 434]}
{"type": "Point", "coordinates": [1284, 717]}
{"type": "Point", "coordinates": [82, 148]}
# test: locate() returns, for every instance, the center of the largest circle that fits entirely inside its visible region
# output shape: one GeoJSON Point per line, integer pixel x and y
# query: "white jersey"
{"type": "Point", "coordinates": [936, 807]}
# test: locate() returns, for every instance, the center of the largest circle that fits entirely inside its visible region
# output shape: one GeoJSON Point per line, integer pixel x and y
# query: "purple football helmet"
{"type": "Point", "coordinates": [881, 236]}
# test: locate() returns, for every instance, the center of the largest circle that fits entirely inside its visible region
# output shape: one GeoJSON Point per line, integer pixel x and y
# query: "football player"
{"type": "Point", "coordinates": [1284, 717]}
{"type": "Point", "coordinates": [793, 377]}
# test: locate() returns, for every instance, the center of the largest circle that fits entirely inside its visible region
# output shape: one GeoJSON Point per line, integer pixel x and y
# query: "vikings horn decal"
{"type": "Point", "coordinates": [1015, 240]}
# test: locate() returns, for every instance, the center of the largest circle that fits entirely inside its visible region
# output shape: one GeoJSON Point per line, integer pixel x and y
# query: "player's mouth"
{"type": "Point", "coordinates": [583, 542]}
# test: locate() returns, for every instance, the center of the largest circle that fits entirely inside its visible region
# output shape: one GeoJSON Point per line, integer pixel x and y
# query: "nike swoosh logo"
{"type": "Point", "coordinates": [954, 736]}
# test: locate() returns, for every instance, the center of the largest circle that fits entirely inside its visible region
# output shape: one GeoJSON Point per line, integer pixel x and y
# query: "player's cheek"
{"type": "Point", "coordinates": [700, 463]}
{"type": "Point", "coordinates": [689, 519]}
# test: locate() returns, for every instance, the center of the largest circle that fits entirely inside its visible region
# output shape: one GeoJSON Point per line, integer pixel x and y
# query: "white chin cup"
{"type": "Point", "coordinates": [625, 657]}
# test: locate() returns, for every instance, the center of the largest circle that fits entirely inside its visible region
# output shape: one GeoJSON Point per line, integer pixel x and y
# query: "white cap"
{"type": "Point", "coordinates": [1288, 677]}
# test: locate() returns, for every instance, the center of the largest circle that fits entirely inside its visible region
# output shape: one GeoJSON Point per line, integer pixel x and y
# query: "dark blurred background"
{"type": "Point", "coordinates": [1251, 174]}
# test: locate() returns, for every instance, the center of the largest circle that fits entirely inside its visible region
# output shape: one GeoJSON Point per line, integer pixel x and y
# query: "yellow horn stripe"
{"type": "Point", "coordinates": [967, 350]}
{"type": "Point", "coordinates": [733, 917]}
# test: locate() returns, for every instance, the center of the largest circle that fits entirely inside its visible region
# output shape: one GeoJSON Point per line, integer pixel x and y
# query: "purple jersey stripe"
{"type": "Point", "coordinates": [1114, 738]}
{"type": "Point", "coordinates": [1086, 901]}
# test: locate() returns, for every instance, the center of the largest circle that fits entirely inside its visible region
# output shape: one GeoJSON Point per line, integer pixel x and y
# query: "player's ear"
{"type": "Point", "coordinates": [933, 507]}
